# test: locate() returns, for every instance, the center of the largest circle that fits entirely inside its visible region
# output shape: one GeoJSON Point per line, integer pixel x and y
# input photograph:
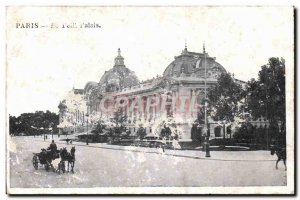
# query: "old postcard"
{"type": "Point", "coordinates": [150, 100]}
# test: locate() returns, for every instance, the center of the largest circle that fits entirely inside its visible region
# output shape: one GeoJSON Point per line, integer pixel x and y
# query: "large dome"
{"type": "Point", "coordinates": [118, 77]}
{"type": "Point", "coordinates": [193, 64]}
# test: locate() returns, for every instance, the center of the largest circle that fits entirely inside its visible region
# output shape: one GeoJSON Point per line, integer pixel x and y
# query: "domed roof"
{"type": "Point", "coordinates": [193, 64]}
{"type": "Point", "coordinates": [89, 85]}
{"type": "Point", "coordinates": [118, 77]}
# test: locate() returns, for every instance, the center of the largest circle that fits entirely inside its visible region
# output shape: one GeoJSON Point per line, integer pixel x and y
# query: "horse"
{"type": "Point", "coordinates": [66, 156]}
{"type": "Point", "coordinates": [71, 159]}
{"type": "Point", "coordinates": [281, 154]}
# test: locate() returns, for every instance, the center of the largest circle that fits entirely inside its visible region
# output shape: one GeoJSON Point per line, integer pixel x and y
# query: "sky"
{"type": "Point", "coordinates": [43, 64]}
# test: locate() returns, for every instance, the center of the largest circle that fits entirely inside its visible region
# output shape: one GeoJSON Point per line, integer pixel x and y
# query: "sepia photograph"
{"type": "Point", "coordinates": [150, 100]}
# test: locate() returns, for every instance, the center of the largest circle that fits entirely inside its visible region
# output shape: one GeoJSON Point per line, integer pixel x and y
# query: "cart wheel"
{"type": "Point", "coordinates": [35, 162]}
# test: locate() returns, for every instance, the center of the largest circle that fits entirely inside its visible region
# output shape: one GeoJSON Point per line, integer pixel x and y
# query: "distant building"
{"type": "Point", "coordinates": [72, 111]}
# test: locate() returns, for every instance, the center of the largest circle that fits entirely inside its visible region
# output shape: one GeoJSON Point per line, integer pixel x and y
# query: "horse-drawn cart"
{"type": "Point", "coordinates": [44, 158]}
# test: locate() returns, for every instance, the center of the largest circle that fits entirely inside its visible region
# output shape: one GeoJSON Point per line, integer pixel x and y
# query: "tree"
{"type": "Point", "coordinates": [13, 125]}
{"type": "Point", "coordinates": [33, 123]}
{"type": "Point", "coordinates": [225, 99]}
{"type": "Point", "coordinates": [98, 130]}
{"type": "Point", "coordinates": [119, 120]}
{"type": "Point", "coordinates": [245, 132]}
{"type": "Point", "coordinates": [26, 122]}
{"type": "Point", "coordinates": [266, 96]}
{"type": "Point", "coordinates": [51, 120]}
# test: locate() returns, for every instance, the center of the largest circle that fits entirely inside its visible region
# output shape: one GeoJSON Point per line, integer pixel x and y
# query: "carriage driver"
{"type": "Point", "coordinates": [53, 148]}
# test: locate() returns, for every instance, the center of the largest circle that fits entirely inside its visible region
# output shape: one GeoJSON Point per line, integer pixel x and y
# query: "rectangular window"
{"type": "Point", "coordinates": [217, 132]}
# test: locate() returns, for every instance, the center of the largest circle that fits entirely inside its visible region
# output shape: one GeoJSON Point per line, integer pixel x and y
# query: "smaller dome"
{"type": "Point", "coordinates": [89, 85]}
{"type": "Point", "coordinates": [118, 77]}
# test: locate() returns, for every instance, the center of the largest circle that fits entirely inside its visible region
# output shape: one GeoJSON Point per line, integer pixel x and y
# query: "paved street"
{"type": "Point", "coordinates": [99, 165]}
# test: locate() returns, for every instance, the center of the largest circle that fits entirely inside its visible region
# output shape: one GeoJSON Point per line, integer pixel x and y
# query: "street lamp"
{"type": "Point", "coordinates": [51, 129]}
{"type": "Point", "coordinates": [33, 128]}
{"type": "Point", "coordinates": [266, 113]}
{"type": "Point", "coordinates": [87, 129]}
{"type": "Point", "coordinates": [267, 125]}
{"type": "Point", "coordinates": [206, 143]}
{"type": "Point", "coordinates": [44, 133]}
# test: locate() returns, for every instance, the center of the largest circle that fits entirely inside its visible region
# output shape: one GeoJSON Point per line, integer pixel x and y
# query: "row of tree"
{"type": "Point", "coordinates": [231, 100]}
{"type": "Point", "coordinates": [234, 102]}
{"type": "Point", "coordinates": [36, 123]}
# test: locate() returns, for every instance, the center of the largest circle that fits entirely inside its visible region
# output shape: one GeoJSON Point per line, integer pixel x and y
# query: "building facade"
{"type": "Point", "coordinates": [176, 96]}
{"type": "Point", "coordinates": [72, 112]}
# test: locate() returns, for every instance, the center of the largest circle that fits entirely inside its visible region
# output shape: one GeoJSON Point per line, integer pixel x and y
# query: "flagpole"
{"type": "Point", "coordinates": [205, 90]}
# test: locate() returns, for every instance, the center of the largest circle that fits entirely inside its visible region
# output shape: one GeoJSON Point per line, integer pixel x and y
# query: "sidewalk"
{"type": "Point", "coordinates": [249, 156]}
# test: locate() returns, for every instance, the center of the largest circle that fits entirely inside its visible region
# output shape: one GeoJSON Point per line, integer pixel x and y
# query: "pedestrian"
{"type": "Point", "coordinates": [175, 142]}
{"type": "Point", "coordinates": [141, 132]}
{"type": "Point", "coordinates": [163, 143]}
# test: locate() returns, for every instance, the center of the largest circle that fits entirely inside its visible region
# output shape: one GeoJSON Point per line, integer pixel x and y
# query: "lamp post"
{"type": "Point", "coordinates": [267, 128]}
{"type": "Point", "coordinates": [207, 150]}
{"type": "Point", "coordinates": [267, 125]}
{"type": "Point", "coordinates": [205, 93]}
{"type": "Point", "coordinates": [44, 133]}
{"type": "Point", "coordinates": [87, 129]}
{"type": "Point", "coordinates": [51, 131]}
{"type": "Point", "coordinates": [33, 128]}
{"type": "Point", "coordinates": [266, 113]}
{"type": "Point", "coordinates": [50, 128]}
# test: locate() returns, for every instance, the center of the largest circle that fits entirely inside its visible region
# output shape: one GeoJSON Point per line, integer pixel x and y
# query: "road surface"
{"type": "Point", "coordinates": [102, 165]}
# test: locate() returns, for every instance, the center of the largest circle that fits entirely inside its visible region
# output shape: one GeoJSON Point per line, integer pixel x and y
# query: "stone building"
{"type": "Point", "coordinates": [176, 96]}
{"type": "Point", "coordinates": [72, 111]}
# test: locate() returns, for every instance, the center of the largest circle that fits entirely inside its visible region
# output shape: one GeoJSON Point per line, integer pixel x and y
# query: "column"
{"type": "Point", "coordinates": [159, 107]}
{"type": "Point", "coordinates": [173, 103]}
{"type": "Point", "coordinates": [155, 111]}
{"type": "Point", "coordinates": [127, 111]}
{"type": "Point", "coordinates": [130, 111]}
{"type": "Point", "coordinates": [192, 104]}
